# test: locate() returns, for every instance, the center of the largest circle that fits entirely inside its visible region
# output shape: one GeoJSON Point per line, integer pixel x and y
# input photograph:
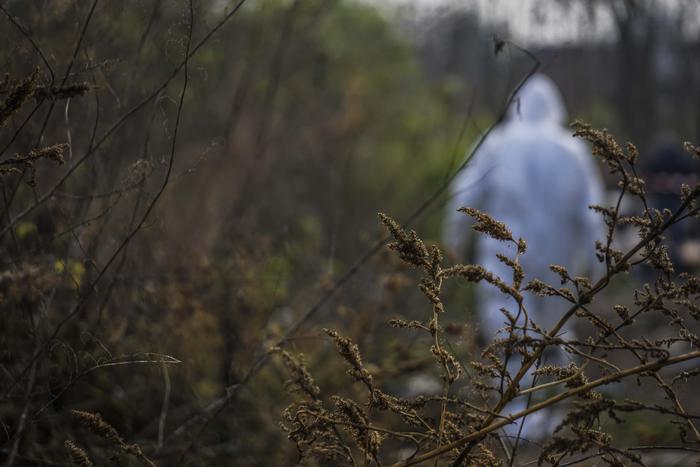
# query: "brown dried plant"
{"type": "Point", "coordinates": [98, 426]}
{"type": "Point", "coordinates": [77, 454]}
{"type": "Point", "coordinates": [453, 429]}
{"type": "Point", "coordinates": [21, 163]}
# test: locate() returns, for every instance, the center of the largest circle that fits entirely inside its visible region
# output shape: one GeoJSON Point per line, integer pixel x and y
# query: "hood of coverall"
{"type": "Point", "coordinates": [538, 101]}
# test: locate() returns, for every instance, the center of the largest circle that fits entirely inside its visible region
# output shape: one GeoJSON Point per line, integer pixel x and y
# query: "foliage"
{"type": "Point", "coordinates": [181, 182]}
{"type": "Point", "coordinates": [461, 426]}
{"type": "Point", "coordinates": [161, 218]}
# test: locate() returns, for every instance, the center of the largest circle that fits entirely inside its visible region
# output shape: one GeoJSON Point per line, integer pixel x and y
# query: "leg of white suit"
{"type": "Point", "coordinates": [543, 312]}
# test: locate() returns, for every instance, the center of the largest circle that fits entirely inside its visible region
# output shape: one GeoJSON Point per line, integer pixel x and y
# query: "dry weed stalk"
{"type": "Point", "coordinates": [21, 163]}
{"type": "Point", "coordinates": [459, 431]}
{"type": "Point", "coordinates": [77, 454]}
{"type": "Point", "coordinates": [98, 426]}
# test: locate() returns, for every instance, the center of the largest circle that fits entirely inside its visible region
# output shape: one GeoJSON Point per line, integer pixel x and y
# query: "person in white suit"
{"type": "Point", "coordinates": [531, 174]}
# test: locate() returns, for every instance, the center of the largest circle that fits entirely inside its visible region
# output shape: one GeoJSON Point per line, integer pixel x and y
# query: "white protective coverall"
{"type": "Point", "coordinates": [531, 174]}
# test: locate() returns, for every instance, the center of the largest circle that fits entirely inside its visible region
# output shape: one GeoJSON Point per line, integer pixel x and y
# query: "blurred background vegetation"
{"type": "Point", "coordinates": [300, 121]}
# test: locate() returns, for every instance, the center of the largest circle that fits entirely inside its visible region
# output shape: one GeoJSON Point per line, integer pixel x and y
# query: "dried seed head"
{"type": "Point", "coordinates": [97, 425]}
{"type": "Point", "coordinates": [77, 454]}
{"type": "Point", "coordinates": [488, 225]}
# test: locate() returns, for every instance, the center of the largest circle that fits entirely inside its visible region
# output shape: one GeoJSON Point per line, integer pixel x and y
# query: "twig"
{"type": "Point", "coordinates": [214, 408]}
{"type": "Point", "coordinates": [615, 377]}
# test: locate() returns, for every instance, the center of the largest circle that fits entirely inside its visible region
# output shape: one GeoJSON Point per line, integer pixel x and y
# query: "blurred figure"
{"type": "Point", "coordinates": [531, 174]}
{"type": "Point", "coordinates": [668, 167]}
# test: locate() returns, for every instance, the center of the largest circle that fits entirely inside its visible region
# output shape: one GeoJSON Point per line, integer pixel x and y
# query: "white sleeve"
{"type": "Point", "coordinates": [467, 189]}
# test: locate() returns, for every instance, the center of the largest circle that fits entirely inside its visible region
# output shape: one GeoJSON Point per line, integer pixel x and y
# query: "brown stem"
{"type": "Point", "coordinates": [653, 366]}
